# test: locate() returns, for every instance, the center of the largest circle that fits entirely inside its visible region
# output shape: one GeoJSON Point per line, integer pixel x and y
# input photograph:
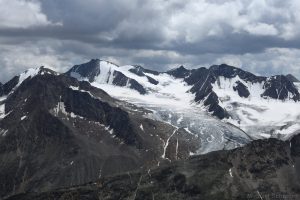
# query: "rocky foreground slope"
{"type": "Point", "coordinates": [263, 169]}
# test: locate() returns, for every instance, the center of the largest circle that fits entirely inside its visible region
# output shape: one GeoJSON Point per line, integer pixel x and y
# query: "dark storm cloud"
{"type": "Point", "coordinates": [158, 34]}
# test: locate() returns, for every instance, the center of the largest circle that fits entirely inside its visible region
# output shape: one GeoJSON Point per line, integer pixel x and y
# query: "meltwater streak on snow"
{"type": "Point", "coordinates": [170, 102]}
{"type": "Point", "coordinates": [257, 116]}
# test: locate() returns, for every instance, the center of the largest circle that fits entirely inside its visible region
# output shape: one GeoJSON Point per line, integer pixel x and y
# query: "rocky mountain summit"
{"type": "Point", "coordinates": [105, 72]}
{"type": "Point", "coordinates": [206, 82]}
{"type": "Point", "coordinates": [292, 78]}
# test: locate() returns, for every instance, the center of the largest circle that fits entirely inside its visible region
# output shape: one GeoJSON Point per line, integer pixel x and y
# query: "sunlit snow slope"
{"type": "Point", "coordinates": [260, 117]}
{"type": "Point", "coordinates": [250, 107]}
{"type": "Point", "coordinates": [169, 101]}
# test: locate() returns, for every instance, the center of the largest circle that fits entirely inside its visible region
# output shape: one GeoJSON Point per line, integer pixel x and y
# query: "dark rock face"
{"type": "Point", "coordinates": [199, 75]}
{"type": "Point", "coordinates": [11, 84]}
{"type": "Point", "coordinates": [138, 70]}
{"type": "Point", "coordinates": [263, 169]}
{"type": "Point", "coordinates": [241, 89]}
{"type": "Point", "coordinates": [148, 71]}
{"type": "Point", "coordinates": [121, 80]}
{"type": "Point", "coordinates": [292, 78]}
{"type": "Point", "coordinates": [277, 87]}
{"type": "Point", "coordinates": [179, 72]}
{"type": "Point", "coordinates": [202, 80]}
{"type": "Point", "coordinates": [229, 72]}
{"type": "Point", "coordinates": [152, 80]}
{"type": "Point", "coordinates": [1, 89]}
{"type": "Point", "coordinates": [90, 69]}
{"type": "Point", "coordinates": [7, 87]}
{"type": "Point", "coordinates": [280, 87]}
{"type": "Point", "coordinates": [295, 146]}
{"type": "Point", "coordinates": [61, 133]}
{"type": "Point", "coordinates": [83, 105]}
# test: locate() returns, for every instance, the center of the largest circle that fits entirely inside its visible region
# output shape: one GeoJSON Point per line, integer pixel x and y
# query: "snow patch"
{"type": "Point", "coordinates": [73, 87]}
{"type": "Point", "coordinates": [2, 111]}
{"type": "Point", "coordinates": [2, 107]}
{"type": "Point", "coordinates": [24, 117]}
{"type": "Point", "coordinates": [85, 91]}
{"type": "Point", "coordinates": [188, 130]}
{"type": "Point", "coordinates": [60, 108]}
{"type": "Point", "coordinates": [177, 146]}
{"type": "Point", "coordinates": [255, 115]}
{"type": "Point", "coordinates": [110, 130]}
{"type": "Point", "coordinates": [141, 127]}
{"type": "Point", "coordinates": [230, 172]}
{"type": "Point", "coordinates": [179, 120]}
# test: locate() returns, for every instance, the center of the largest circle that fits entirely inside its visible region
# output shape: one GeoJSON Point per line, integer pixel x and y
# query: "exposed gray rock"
{"type": "Point", "coordinates": [62, 133]}
{"type": "Point", "coordinates": [292, 78]}
{"type": "Point", "coordinates": [280, 87]}
{"type": "Point", "coordinates": [263, 169]}
{"type": "Point", "coordinates": [180, 72]}
{"type": "Point", "coordinates": [92, 69]}
{"type": "Point", "coordinates": [140, 71]}
{"type": "Point", "coordinates": [275, 87]}
{"type": "Point", "coordinates": [1, 89]}
{"type": "Point", "coordinates": [241, 89]}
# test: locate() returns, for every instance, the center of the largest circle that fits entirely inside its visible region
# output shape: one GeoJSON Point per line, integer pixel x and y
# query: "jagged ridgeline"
{"type": "Point", "coordinates": [109, 131]}
{"type": "Point", "coordinates": [59, 132]}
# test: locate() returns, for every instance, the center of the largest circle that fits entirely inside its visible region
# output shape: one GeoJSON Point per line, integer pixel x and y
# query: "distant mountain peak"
{"type": "Point", "coordinates": [292, 78]}
{"type": "Point", "coordinates": [181, 67]}
{"type": "Point", "coordinates": [179, 72]}
{"type": "Point", "coordinates": [105, 72]}
{"type": "Point", "coordinates": [16, 81]}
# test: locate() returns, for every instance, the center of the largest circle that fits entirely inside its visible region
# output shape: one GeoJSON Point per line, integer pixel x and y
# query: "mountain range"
{"type": "Point", "coordinates": [100, 130]}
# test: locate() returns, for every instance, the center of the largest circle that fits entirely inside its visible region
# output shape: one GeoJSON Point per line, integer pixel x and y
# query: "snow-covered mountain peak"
{"type": "Point", "coordinates": [16, 81]}
{"type": "Point", "coordinates": [30, 73]}
{"type": "Point", "coordinates": [228, 71]}
{"type": "Point", "coordinates": [229, 93]}
{"type": "Point", "coordinates": [93, 69]}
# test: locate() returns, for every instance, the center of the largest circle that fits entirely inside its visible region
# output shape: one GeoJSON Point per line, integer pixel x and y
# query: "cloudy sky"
{"type": "Point", "coordinates": [262, 36]}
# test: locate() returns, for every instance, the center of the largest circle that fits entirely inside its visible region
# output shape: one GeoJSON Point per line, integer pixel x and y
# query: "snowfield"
{"type": "Point", "coordinates": [170, 102]}
{"type": "Point", "coordinates": [259, 117]}
{"type": "Point", "coordinates": [252, 118]}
